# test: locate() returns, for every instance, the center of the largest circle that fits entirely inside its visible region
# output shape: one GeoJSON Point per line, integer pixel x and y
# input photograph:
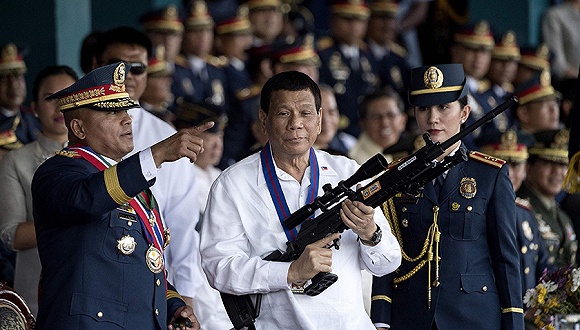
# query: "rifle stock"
{"type": "Point", "coordinates": [408, 175]}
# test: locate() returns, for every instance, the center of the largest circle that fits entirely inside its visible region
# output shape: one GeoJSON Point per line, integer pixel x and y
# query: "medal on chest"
{"type": "Point", "coordinates": [154, 259]}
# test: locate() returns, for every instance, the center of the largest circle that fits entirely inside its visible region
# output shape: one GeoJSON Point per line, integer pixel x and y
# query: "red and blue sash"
{"type": "Point", "coordinates": [144, 203]}
{"type": "Point", "coordinates": [275, 189]}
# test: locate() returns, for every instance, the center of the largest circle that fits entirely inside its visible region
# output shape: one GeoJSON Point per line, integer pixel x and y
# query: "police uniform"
{"type": "Point", "coordinates": [534, 257]}
{"type": "Point", "coordinates": [554, 224]}
{"type": "Point", "coordinates": [476, 37]}
{"type": "Point", "coordinates": [391, 65]}
{"type": "Point", "coordinates": [506, 50]}
{"type": "Point", "coordinates": [101, 268]}
{"type": "Point", "coordinates": [20, 123]}
{"type": "Point", "coordinates": [158, 67]}
{"type": "Point", "coordinates": [202, 79]}
{"type": "Point", "coordinates": [237, 135]}
{"type": "Point", "coordinates": [460, 267]}
{"type": "Point", "coordinates": [349, 69]}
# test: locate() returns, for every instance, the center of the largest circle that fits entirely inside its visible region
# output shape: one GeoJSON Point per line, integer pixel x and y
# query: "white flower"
{"type": "Point", "coordinates": [550, 286]}
{"type": "Point", "coordinates": [530, 297]}
{"type": "Point", "coordinates": [575, 279]}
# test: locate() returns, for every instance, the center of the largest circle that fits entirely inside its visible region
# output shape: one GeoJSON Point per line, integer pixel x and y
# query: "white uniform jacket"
{"type": "Point", "coordinates": [241, 227]}
{"type": "Point", "coordinates": [177, 200]}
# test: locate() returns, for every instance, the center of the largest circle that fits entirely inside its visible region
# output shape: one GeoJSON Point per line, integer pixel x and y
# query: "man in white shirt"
{"type": "Point", "coordinates": [243, 221]}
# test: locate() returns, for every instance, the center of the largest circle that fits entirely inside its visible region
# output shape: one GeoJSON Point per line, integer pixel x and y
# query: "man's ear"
{"type": "Point", "coordinates": [522, 115]}
{"type": "Point", "coordinates": [77, 127]}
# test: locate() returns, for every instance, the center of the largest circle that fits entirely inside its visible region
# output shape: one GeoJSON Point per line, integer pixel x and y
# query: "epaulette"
{"type": "Point", "coordinates": [398, 50]}
{"type": "Point", "coordinates": [324, 43]}
{"type": "Point", "coordinates": [524, 203]}
{"type": "Point", "coordinates": [181, 61]}
{"type": "Point", "coordinates": [483, 85]}
{"type": "Point", "coordinates": [68, 153]}
{"type": "Point", "coordinates": [248, 92]}
{"type": "Point", "coordinates": [216, 61]}
{"type": "Point", "coordinates": [486, 159]}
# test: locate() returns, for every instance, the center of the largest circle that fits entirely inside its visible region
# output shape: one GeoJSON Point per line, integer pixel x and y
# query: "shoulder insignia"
{"type": "Point", "coordinates": [249, 92]}
{"type": "Point", "coordinates": [68, 153]}
{"type": "Point", "coordinates": [486, 159]}
{"type": "Point", "coordinates": [483, 85]}
{"type": "Point", "coordinates": [219, 62]}
{"type": "Point", "coordinates": [523, 203]}
{"type": "Point", "coordinates": [181, 61]}
{"type": "Point", "coordinates": [324, 43]}
{"type": "Point", "coordinates": [398, 50]}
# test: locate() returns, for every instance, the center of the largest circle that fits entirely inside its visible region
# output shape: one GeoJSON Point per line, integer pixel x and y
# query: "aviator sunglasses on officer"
{"type": "Point", "coordinates": [137, 68]}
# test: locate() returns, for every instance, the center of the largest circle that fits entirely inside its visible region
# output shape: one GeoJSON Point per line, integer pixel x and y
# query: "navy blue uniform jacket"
{"type": "Point", "coordinates": [480, 282]}
{"type": "Point", "coordinates": [86, 283]}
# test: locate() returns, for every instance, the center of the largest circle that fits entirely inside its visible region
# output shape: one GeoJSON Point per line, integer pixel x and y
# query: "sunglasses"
{"type": "Point", "coordinates": [137, 68]}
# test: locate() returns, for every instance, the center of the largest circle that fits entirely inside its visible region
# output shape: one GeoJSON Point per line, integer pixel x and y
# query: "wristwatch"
{"type": "Point", "coordinates": [376, 239]}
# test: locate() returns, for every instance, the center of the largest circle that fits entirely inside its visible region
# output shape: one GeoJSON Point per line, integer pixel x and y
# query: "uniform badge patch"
{"type": "Point", "coordinates": [468, 187]}
{"type": "Point", "coordinates": [126, 245]}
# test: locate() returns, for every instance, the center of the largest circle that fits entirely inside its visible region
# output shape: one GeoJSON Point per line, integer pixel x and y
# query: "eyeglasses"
{"type": "Point", "coordinates": [137, 68]}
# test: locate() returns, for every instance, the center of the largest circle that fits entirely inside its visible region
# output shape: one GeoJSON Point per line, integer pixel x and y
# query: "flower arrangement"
{"type": "Point", "coordinates": [556, 293]}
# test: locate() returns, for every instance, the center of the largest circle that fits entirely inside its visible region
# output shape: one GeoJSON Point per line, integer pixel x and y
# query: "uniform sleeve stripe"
{"type": "Point", "coordinates": [172, 294]}
{"type": "Point", "coordinates": [114, 187]}
{"type": "Point", "coordinates": [381, 297]}
{"type": "Point", "coordinates": [512, 310]}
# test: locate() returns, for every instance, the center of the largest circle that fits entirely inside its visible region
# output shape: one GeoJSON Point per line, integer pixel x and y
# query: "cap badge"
{"type": "Point", "coordinates": [9, 52]}
{"type": "Point", "coordinates": [170, 13]}
{"type": "Point", "coordinates": [482, 28]}
{"type": "Point", "coordinates": [119, 78]}
{"type": "Point", "coordinates": [509, 139]}
{"type": "Point", "coordinates": [545, 78]}
{"type": "Point", "coordinates": [509, 38]}
{"type": "Point", "coordinates": [561, 140]}
{"type": "Point", "coordinates": [199, 8]}
{"type": "Point", "coordinates": [126, 245]}
{"type": "Point", "coordinates": [543, 51]}
{"type": "Point", "coordinates": [468, 187]}
{"type": "Point", "coordinates": [243, 12]}
{"type": "Point", "coordinates": [433, 78]}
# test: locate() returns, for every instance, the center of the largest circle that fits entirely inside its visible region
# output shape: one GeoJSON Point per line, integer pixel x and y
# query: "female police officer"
{"type": "Point", "coordinates": [460, 267]}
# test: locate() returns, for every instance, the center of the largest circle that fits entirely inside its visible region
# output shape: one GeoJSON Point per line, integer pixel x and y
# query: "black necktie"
{"type": "Point", "coordinates": [438, 184]}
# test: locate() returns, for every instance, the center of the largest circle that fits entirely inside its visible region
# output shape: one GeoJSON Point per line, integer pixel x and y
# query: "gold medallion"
{"type": "Point", "coordinates": [126, 245]}
{"type": "Point", "coordinates": [468, 187]}
{"type": "Point", "coordinates": [154, 259]}
{"type": "Point", "coordinates": [433, 78]}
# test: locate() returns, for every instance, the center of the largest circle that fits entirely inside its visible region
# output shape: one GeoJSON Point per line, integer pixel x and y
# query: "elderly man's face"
{"type": "Point", "coordinates": [292, 123]}
{"type": "Point", "coordinates": [384, 122]}
{"type": "Point", "coordinates": [546, 177]}
{"type": "Point", "coordinates": [131, 53]}
{"type": "Point", "coordinates": [108, 133]}
{"type": "Point", "coordinates": [12, 91]}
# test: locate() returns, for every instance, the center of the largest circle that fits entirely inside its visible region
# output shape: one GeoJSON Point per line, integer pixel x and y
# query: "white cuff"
{"type": "Point", "coordinates": [147, 164]}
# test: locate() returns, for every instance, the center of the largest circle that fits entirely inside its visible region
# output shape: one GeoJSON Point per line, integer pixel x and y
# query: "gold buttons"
{"type": "Point", "coordinates": [455, 206]}
{"type": "Point", "coordinates": [435, 208]}
{"type": "Point", "coordinates": [484, 288]}
{"type": "Point", "coordinates": [156, 311]}
{"type": "Point", "coordinates": [524, 249]}
{"type": "Point", "coordinates": [100, 314]}
{"type": "Point", "coordinates": [404, 209]}
{"type": "Point", "coordinates": [405, 222]}
{"type": "Point", "coordinates": [527, 270]}
{"type": "Point", "coordinates": [469, 208]}
{"type": "Point", "coordinates": [158, 282]}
